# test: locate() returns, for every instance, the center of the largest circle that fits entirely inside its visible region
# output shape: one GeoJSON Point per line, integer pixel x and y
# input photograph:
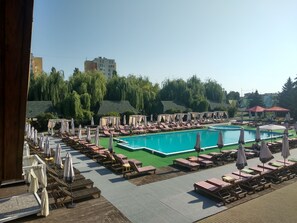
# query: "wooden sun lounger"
{"type": "Point", "coordinates": [59, 172]}
{"type": "Point", "coordinates": [289, 168]}
{"type": "Point", "coordinates": [254, 182]}
{"type": "Point", "coordinates": [235, 189]}
{"type": "Point", "coordinates": [275, 176]}
{"type": "Point", "coordinates": [251, 183]}
{"type": "Point", "coordinates": [186, 163]}
{"type": "Point", "coordinates": [124, 132]}
{"type": "Point", "coordinates": [63, 195]}
{"type": "Point", "coordinates": [220, 193]}
{"type": "Point", "coordinates": [78, 184]}
{"type": "Point", "coordinates": [124, 164]}
{"type": "Point", "coordinates": [140, 170]}
{"type": "Point", "coordinates": [202, 162]}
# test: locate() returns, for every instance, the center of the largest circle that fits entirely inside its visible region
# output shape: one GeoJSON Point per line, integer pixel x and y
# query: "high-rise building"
{"type": "Point", "coordinates": [35, 65]}
{"type": "Point", "coordinates": [106, 66]}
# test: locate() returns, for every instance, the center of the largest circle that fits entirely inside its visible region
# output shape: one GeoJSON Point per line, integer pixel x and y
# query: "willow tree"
{"type": "Point", "coordinates": [116, 88]}
{"type": "Point", "coordinates": [174, 90]}
{"type": "Point", "coordinates": [96, 88]}
{"type": "Point", "coordinates": [39, 89]}
{"type": "Point", "coordinates": [58, 88]}
{"type": "Point", "coordinates": [213, 91]}
{"type": "Point", "coordinates": [92, 83]}
{"type": "Point", "coordinates": [72, 106]}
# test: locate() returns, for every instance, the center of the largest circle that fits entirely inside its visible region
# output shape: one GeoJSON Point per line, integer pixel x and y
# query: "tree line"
{"type": "Point", "coordinates": [80, 96]}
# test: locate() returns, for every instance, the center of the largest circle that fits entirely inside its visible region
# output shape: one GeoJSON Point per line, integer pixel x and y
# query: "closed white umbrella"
{"type": "Point", "coordinates": [67, 126]}
{"type": "Point", "coordinates": [26, 129]}
{"type": "Point", "coordinates": [286, 132]}
{"type": "Point", "coordinates": [68, 169]}
{"type": "Point", "coordinates": [35, 138]}
{"type": "Point", "coordinates": [92, 121]}
{"type": "Point", "coordinates": [181, 118]}
{"type": "Point", "coordinates": [44, 195]}
{"type": "Point", "coordinates": [258, 135]}
{"type": "Point", "coordinates": [145, 120]}
{"type": "Point", "coordinates": [26, 149]}
{"type": "Point", "coordinates": [220, 142]}
{"type": "Point", "coordinates": [197, 146]}
{"type": "Point", "coordinates": [97, 137]}
{"type": "Point", "coordinates": [69, 174]}
{"type": "Point", "coordinates": [117, 122]}
{"type": "Point", "coordinates": [151, 117]}
{"type": "Point", "coordinates": [29, 131]}
{"type": "Point", "coordinates": [72, 127]}
{"type": "Point", "coordinates": [44, 203]}
{"type": "Point", "coordinates": [285, 148]}
{"type": "Point", "coordinates": [265, 154]}
{"type": "Point", "coordinates": [89, 134]}
{"type": "Point", "coordinates": [58, 159]}
{"type": "Point", "coordinates": [188, 117]}
{"type": "Point", "coordinates": [241, 158]}
{"type": "Point", "coordinates": [41, 141]}
{"type": "Point", "coordinates": [79, 132]}
{"type": "Point", "coordinates": [33, 187]}
{"type": "Point", "coordinates": [110, 145]}
{"type": "Point", "coordinates": [62, 127]}
{"type": "Point", "coordinates": [124, 120]}
{"type": "Point", "coordinates": [32, 133]}
{"type": "Point", "coordinates": [241, 136]}
{"type": "Point", "coordinates": [47, 150]}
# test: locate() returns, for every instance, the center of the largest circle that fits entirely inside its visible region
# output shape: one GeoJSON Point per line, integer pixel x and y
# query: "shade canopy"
{"type": "Point", "coordinates": [256, 109]}
{"type": "Point", "coordinates": [276, 109]}
{"type": "Point", "coordinates": [272, 127]}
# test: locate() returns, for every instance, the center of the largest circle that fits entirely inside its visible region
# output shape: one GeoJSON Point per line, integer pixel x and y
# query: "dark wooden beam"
{"type": "Point", "coordinates": [16, 18]}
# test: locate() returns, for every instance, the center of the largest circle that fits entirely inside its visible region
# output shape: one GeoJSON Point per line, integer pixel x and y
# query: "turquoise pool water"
{"type": "Point", "coordinates": [183, 141]}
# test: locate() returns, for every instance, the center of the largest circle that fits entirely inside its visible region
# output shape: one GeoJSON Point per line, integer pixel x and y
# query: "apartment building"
{"type": "Point", "coordinates": [106, 66]}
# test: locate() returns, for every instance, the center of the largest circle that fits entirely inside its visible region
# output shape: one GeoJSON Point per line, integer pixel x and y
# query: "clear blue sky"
{"type": "Point", "coordinates": [243, 45]}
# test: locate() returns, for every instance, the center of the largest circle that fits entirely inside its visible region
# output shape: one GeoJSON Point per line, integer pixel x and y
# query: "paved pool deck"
{"type": "Point", "coordinates": [171, 200]}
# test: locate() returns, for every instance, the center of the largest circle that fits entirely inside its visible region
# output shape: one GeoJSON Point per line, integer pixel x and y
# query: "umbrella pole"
{"type": "Point", "coordinates": [72, 205]}
{"type": "Point", "coordinates": [263, 167]}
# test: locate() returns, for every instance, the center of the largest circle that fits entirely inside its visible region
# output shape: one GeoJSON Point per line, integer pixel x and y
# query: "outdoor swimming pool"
{"type": "Point", "coordinates": [170, 143]}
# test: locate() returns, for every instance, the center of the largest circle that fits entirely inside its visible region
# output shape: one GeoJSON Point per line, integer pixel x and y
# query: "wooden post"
{"type": "Point", "coordinates": [16, 18]}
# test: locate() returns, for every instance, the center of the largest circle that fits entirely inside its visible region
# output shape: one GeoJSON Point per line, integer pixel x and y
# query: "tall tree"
{"type": "Point", "coordinates": [214, 91]}
{"type": "Point", "coordinates": [255, 99]}
{"type": "Point", "coordinates": [233, 95]}
{"type": "Point", "coordinates": [58, 88]}
{"type": "Point", "coordinates": [287, 97]}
